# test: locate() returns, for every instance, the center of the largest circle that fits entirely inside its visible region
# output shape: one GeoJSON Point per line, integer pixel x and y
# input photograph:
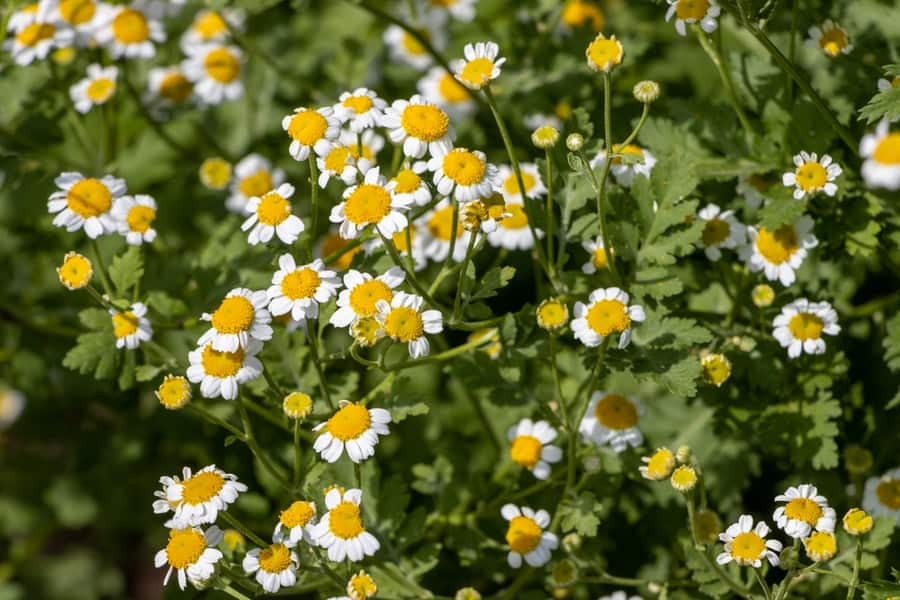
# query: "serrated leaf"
{"type": "Point", "coordinates": [165, 304]}
{"type": "Point", "coordinates": [892, 343]}
{"type": "Point", "coordinates": [883, 105]}
{"type": "Point", "coordinates": [95, 318]}
{"type": "Point", "coordinates": [580, 515]}
{"type": "Point", "coordinates": [493, 280]}
{"type": "Point", "coordinates": [779, 212]}
{"type": "Point", "coordinates": [702, 572]}
{"type": "Point", "coordinates": [126, 269]}
{"type": "Point", "coordinates": [147, 372]}
{"type": "Point", "coordinates": [94, 353]}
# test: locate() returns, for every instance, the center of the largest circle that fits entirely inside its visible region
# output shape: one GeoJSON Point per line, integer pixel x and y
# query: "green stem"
{"type": "Point", "coordinates": [550, 227]}
{"type": "Point", "coordinates": [245, 531]}
{"type": "Point", "coordinates": [234, 593]}
{"type": "Point", "coordinates": [600, 191]}
{"type": "Point", "coordinates": [560, 401]}
{"type": "Point", "coordinates": [410, 276]}
{"type": "Point", "coordinates": [637, 128]}
{"type": "Point", "coordinates": [255, 449]}
{"type": "Point", "coordinates": [457, 302]}
{"type": "Point", "coordinates": [208, 416]}
{"type": "Point", "coordinates": [101, 268]}
{"type": "Point", "coordinates": [447, 354]}
{"type": "Point", "coordinates": [854, 578]}
{"type": "Point", "coordinates": [317, 362]}
{"type": "Point", "coordinates": [298, 454]}
{"type": "Point", "coordinates": [314, 194]}
{"type": "Point", "coordinates": [763, 584]}
{"type": "Point", "coordinates": [718, 60]}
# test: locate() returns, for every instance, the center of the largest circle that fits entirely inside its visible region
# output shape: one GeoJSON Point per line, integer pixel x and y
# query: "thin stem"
{"type": "Point", "coordinates": [718, 60]}
{"type": "Point", "coordinates": [317, 363]}
{"type": "Point", "coordinates": [245, 531]}
{"type": "Point", "coordinates": [298, 454]}
{"type": "Point", "coordinates": [638, 127]}
{"type": "Point", "coordinates": [208, 416]}
{"type": "Point", "coordinates": [255, 449]}
{"type": "Point", "coordinates": [447, 354]}
{"type": "Point", "coordinates": [101, 267]}
{"type": "Point", "coordinates": [600, 191]}
{"type": "Point", "coordinates": [314, 194]}
{"type": "Point", "coordinates": [234, 593]}
{"type": "Point", "coordinates": [549, 158]}
{"type": "Point", "coordinates": [854, 578]}
{"type": "Point", "coordinates": [558, 383]}
{"type": "Point", "coordinates": [462, 276]}
{"type": "Point", "coordinates": [410, 276]}
{"type": "Point", "coordinates": [763, 584]}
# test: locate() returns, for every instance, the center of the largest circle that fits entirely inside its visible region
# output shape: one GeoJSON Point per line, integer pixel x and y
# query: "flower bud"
{"type": "Point", "coordinates": [683, 454]}
{"type": "Point", "coordinates": [646, 92]}
{"type": "Point", "coordinates": [174, 392]}
{"type": "Point", "coordinates": [857, 460]}
{"type": "Point", "coordinates": [763, 295]}
{"type": "Point", "coordinates": [565, 573]}
{"type": "Point", "coordinates": [716, 368]}
{"type": "Point", "coordinates": [574, 142]}
{"type": "Point", "coordinates": [684, 478]}
{"type": "Point", "coordinates": [467, 593]}
{"type": "Point", "coordinates": [297, 405]}
{"type": "Point", "coordinates": [571, 542]}
{"type": "Point", "coordinates": [857, 522]}
{"type": "Point", "coordinates": [545, 137]}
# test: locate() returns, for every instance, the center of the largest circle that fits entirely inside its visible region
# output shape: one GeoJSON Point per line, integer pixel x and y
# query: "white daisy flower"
{"type": "Point", "coordinates": [420, 125]}
{"type": "Point", "coordinates": [370, 203]}
{"type": "Point", "coordinates": [801, 324]}
{"type": "Point", "coordinates": [606, 313]}
{"type": "Point", "coordinates": [806, 510]}
{"type": "Point", "coordinates": [886, 84]}
{"type": "Point", "coordinates": [211, 26]}
{"type": "Point", "coordinates": [220, 373]}
{"type": "Point", "coordinates": [527, 536]}
{"type": "Point", "coordinates": [341, 530]}
{"type": "Point", "coordinates": [753, 189]}
{"type": "Point", "coordinates": [437, 230]}
{"type": "Point", "coordinates": [135, 216]}
{"type": "Point", "coordinates": [481, 65]}
{"type": "Point", "coordinates": [299, 291]}
{"type": "Point", "coordinates": [270, 215]}
{"type": "Point", "coordinates": [512, 230]}
{"type": "Point", "coordinates": [362, 292]}
{"type": "Point", "coordinates": [12, 403]}
{"type": "Point", "coordinates": [409, 186]}
{"type": "Point", "coordinates": [404, 321]}
{"type": "Point", "coordinates": [342, 159]}
{"type": "Point", "coordinates": [830, 38]}
{"type": "Point", "coordinates": [85, 203]}
{"type": "Point", "coordinates": [311, 128]}
{"type": "Point", "coordinates": [720, 230]}
{"type": "Point", "coordinates": [79, 15]}
{"type": "Point", "coordinates": [168, 86]}
{"type": "Point", "coordinates": [597, 251]}
{"type": "Point", "coordinates": [131, 327]}
{"type": "Point", "coordinates": [612, 419]}
{"type": "Point", "coordinates": [465, 173]}
{"type": "Point", "coordinates": [812, 175]}
{"type": "Point", "coordinates": [881, 151]}
{"type": "Point", "coordinates": [747, 545]}
{"type": "Point", "coordinates": [239, 318]}
{"type": "Point", "coordinates": [296, 523]}
{"type": "Point", "coordinates": [253, 176]}
{"type": "Point", "coordinates": [461, 10]}
{"type": "Point", "coordinates": [127, 31]}
{"type": "Point", "coordinates": [882, 495]}
{"type": "Point", "coordinates": [192, 553]}
{"type": "Point", "coordinates": [404, 48]}
{"type": "Point", "coordinates": [530, 446]}
{"type": "Point", "coordinates": [509, 184]}
{"type": "Point", "coordinates": [215, 71]}
{"type": "Point", "coordinates": [624, 173]}
{"type": "Point", "coordinates": [36, 32]}
{"type": "Point", "coordinates": [353, 428]}
{"type": "Point", "coordinates": [779, 253]}
{"type": "Point", "coordinates": [197, 498]}
{"type": "Point", "coordinates": [442, 88]}
{"type": "Point", "coordinates": [275, 566]}
{"type": "Point", "coordinates": [688, 12]}
{"type": "Point", "coordinates": [360, 109]}
{"type": "Point", "coordinates": [485, 214]}
{"type": "Point", "coordinates": [22, 18]}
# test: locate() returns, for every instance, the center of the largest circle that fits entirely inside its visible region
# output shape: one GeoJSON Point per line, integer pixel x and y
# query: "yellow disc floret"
{"type": "Point", "coordinates": [234, 315]}
{"type": "Point", "coordinates": [523, 535]}
{"type": "Point", "coordinates": [75, 272]}
{"type": "Point", "coordinates": [130, 26]}
{"type": "Point", "coordinates": [275, 559]}
{"type": "Point", "coordinates": [185, 547]}
{"type": "Point", "coordinates": [608, 316]}
{"type": "Point", "coordinates": [367, 204]}
{"type": "Point", "coordinates": [89, 198]}
{"type": "Point", "coordinates": [404, 324]}
{"type": "Point", "coordinates": [425, 122]}
{"type": "Point", "coordinates": [222, 65]}
{"type": "Point", "coordinates": [349, 422]}
{"type": "Point", "coordinates": [222, 364]}
{"type": "Point", "coordinates": [345, 521]}
{"type": "Point", "coordinates": [174, 392]}
{"type": "Point", "coordinates": [526, 450]}
{"type": "Point", "coordinates": [202, 487]}
{"type": "Point", "coordinates": [777, 247]}
{"type": "Point", "coordinates": [615, 411]}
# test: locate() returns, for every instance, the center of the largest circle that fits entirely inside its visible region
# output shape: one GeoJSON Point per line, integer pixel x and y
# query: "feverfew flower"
{"type": "Point", "coordinates": [361, 586]}
{"type": "Point", "coordinates": [275, 566]}
{"type": "Point", "coordinates": [370, 203]}
{"type": "Point", "coordinates": [135, 216]}
{"type": "Point", "coordinates": [168, 86]}
{"type": "Point", "coordinates": [127, 31]}
{"type": "Point", "coordinates": [820, 546]}
{"type": "Point", "coordinates": [443, 89]}
{"type": "Point", "coordinates": [509, 183]}
{"type": "Point", "coordinates": [35, 34]}
{"type": "Point", "coordinates": [720, 230]}
{"type": "Point", "coordinates": [404, 321]}
{"type": "Point", "coordinates": [657, 466]}
{"type": "Point", "coordinates": [174, 392]}
{"type": "Point", "coordinates": [361, 294]}
{"type": "Point", "coordinates": [779, 253]}
{"type": "Point", "coordinates": [408, 184]}
{"type": "Point", "coordinates": [85, 203]}
{"type": "Point", "coordinates": [270, 215]}
{"type": "Point", "coordinates": [604, 54]}
{"type": "Point", "coordinates": [76, 271]}
{"type": "Point", "coordinates": [420, 125]}
{"type": "Point", "coordinates": [298, 291]}
{"type": "Point", "coordinates": [253, 176]}
{"type": "Point", "coordinates": [405, 48]}
{"type": "Point", "coordinates": [552, 314]}
{"type": "Point", "coordinates": [607, 313]}
{"type": "Point", "coordinates": [530, 446]}
{"type": "Point", "coordinates": [527, 536]}
{"type": "Point", "coordinates": [624, 172]}
{"type": "Point", "coordinates": [886, 84]}
{"type": "Point", "coordinates": [830, 38]}
{"type": "Point", "coordinates": [192, 553]}
{"type": "Point", "coordinates": [197, 498]}
{"type": "Point", "coordinates": [882, 495]}
{"type": "Point", "coordinates": [801, 325]}
{"type": "Point", "coordinates": [95, 89]}
{"type": "Point", "coordinates": [481, 65]}
{"type": "Point", "coordinates": [360, 109]}
{"type": "Point", "coordinates": [353, 428]}
{"type": "Point", "coordinates": [131, 327]}
{"type": "Point", "coordinates": [597, 252]}
{"type": "Point", "coordinates": [512, 231]}
{"type": "Point", "coordinates": [858, 522]}
{"type": "Point", "coordinates": [296, 523]}
{"type": "Point", "coordinates": [342, 160]}
{"type": "Point", "coordinates": [341, 530]}
{"type": "Point", "coordinates": [812, 175]}
{"type": "Point", "coordinates": [465, 173]}
{"type": "Point", "coordinates": [311, 129]}
{"type": "Point", "coordinates": [581, 13]}
{"type": "Point", "coordinates": [881, 151]}
{"type": "Point", "coordinates": [747, 545]}
{"type": "Point", "coordinates": [215, 71]}
{"type": "Point", "coordinates": [220, 373]}
{"type": "Point", "coordinates": [240, 317]}
{"type": "Point", "coordinates": [688, 12]}
{"type": "Point", "coordinates": [805, 510]}
{"type": "Point", "coordinates": [210, 26]}
{"type": "Point", "coordinates": [79, 15]}
{"type": "Point", "coordinates": [612, 419]}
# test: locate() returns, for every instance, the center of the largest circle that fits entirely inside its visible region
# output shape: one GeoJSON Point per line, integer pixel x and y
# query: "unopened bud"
{"type": "Point", "coordinates": [575, 142]}
{"type": "Point", "coordinates": [646, 91]}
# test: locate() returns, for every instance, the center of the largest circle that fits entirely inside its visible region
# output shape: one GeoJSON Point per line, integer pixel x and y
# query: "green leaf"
{"type": "Point", "coordinates": [493, 280]}
{"type": "Point", "coordinates": [780, 211]}
{"type": "Point", "coordinates": [95, 319]}
{"type": "Point", "coordinates": [702, 571]}
{"type": "Point", "coordinates": [94, 353]}
{"type": "Point", "coordinates": [127, 269]}
{"type": "Point", "coordinates": [165, 304]}
{"type": "Point", "coordinates": [580, 515]}
{"type": "Point", "coordinates": [147, 372]}
{"type": "Point", "coordinates": [883, 105]}
{"type": "Point", "coordinates": [892, 343]}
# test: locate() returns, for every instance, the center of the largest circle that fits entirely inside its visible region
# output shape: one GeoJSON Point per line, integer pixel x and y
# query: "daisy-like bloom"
{"type": "Point", "coordinates": [581, 13]}
{"type": "Point", "coordinates": [684, 478]}
{"type": "Point", "coordinates": [35, 33]}
{"type": "Point", "coordinates": [341, 530]}
{"type": "Point", "coordinates": [612, 419]}
{"type": "Point", "coordinates": [360, 109]}
{"type": "Point", "coordinates": [297, 405]}
{"type": "Point", "coordinates": [174, 392]}
{"type": "Point", "coordinates": [275, 566]}
{"type": "Point", "coordinates": [747, 545]}
{"type": "Point", "coordinates": [657, 466]}
{"type": "Point", "coordinates": [688, 12]}
{"type": "Point", "coordinates": [620, 595]}
{"type": "Point", "coordinates": [12, 403]}
{"type": "Point", "coordinates": [420, 125]}
{"type": "Point", "coordinates": [215, 71]}
{"type": "Point", "coordinates": [716, 368]}
{"type": "Point", "coordinates": [443, 89]}
{"type": "Point", "coordinates": [858, 522]}
{"type": "Point", "coordinates": [820, 546]}
{"type": "Point", "coordinates": [405, 48]}
{"type": "Point", "coordinates": [192, 553]}
{"type": "Point", "coordinates": [210, 26]}
{"type": "Point", "coordinates": [886, 84]}
{"type": "Point", "coordinates": [597, 251]}
{"type": "Point", "coordinates": [404, 321]}
{"type": "Point", "coordinates": [552, 314]}
{"type": "Point", "coordinates": [127, 31]}
{"type": "Point", "coordinates": [513, 232]}
{"type": "Point", "coordinates": [805, 510]}
{"type": "Point", "coordinates": [753, 189]}
{"type": "Point", "coordinates": [882, 495]}
{"type": "Point", "coordinates": [85, 203]}
{"type": "Point", "coordinates": [409, 186]}
{"type": "Point", "coordinates": [624, 173]}
{"type": "Point", "coordinates": [461, 10]}
{"type": "Point", "coordinates": [169, 87]}
{"type": "Point", "coordinates": [370, 203]}
{"type": "Point", "coordinates": [527, 536]}
{"type": "Point", "coordinates": [812, 175]}
{"type": "Point", "coordinates": [220, 373]}
{"type": "Point", "coordinates": [296, 523]}
{"type": "Point", "coordinates": [881, 151]}
{"type": "Point", "coordinates": [95, 89]}
{"type": "Point", "coordinates": [354, 428]}
{"type": "Point", "coordinates": [604, 54]}
{"type": "Point", "coordinates": [437, 231]}
{"type": "Point", "coordinates": [480, 66]}
{"type": "Point", "coordinates": [530, 446]}
{"type": "Point", "coordinates": [76, 271]}
{"type": "Point", "coordinates": [299, 290]}
{"type": "Point", "coordinates": [341, 159]}
{"type": "Point", "coordinates": [311, 129]}
{"type": "Point", "coordinates": [131, 327]}
{"type": "Point", "coordinates": [779, 253]}
{"type": "Point", "coordinates": [215, 173]}
{"type": "Point", "coordinates": [270, 215]}
{"type": "Point", "coordinates": [830, 38]}
{"type": "Point", "coordinates": [361, 586]}
{"type": "Point", "coordinates": [135, 215]}
{"type": "Point", "coordinates": [607, 313]}
{"type": "Point", "coordinates": [509, 183]}
{"type": "Point", "coordinates": [19, 19]}
{"type": "Point", "coordinates": [366, 332]}
{"type": "Point", "coordinates": [198, 497]}
{"type": "Point", "coordinates": [484, 214]}
{"type": "Point", "coordinates": [361, 294]}
{"type": "Point", "coordinates": [240, 317]}
{"type": "Point", "coordinates": [801, 325]}
{"type": "Point", "coordinates": [253, 176]}
{"type": "Point", "coordinates": [720, 230]}
{"type": "Point", "coordinates": [79, 15]}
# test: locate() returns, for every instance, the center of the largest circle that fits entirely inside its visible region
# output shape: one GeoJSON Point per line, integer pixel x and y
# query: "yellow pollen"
{"type": "Point", "coordinates": [523, 535]}
{"type": "Point", "coordinates": [297, 514]}
{"type": "Point", "coordinates": [75, 271]}
{"type": "Point", "coordinates": [366, 331]}
{"type": "Point", "coordinates": [202, 487]}
{"type": "Point", "coordinates": [833, 41]}
{"type": "Point", "coordinates": [888, 150]}
{"type": "Point", "coordinates": [364, 297]}
{"type": "Point", "coordinates": [174, 392]}
{"type": "Point", "coordinates": [684, 478]}
{"type": "Point", "coordinates": [803, 509]}
{"type": "Point", "coordinates": [338, 158]}
{"type": "Point", "coordinates": [477, 72]}
{"type": "Point", "coordinates": [407, 181]}
{"type": "Point", "coordinates": [811, 176]}
{"type": "Point", "coordinates": [820, 546]}
{"type": "Point", "coordinates": [222, 65]}
{"type": "Point", "coordinates": [361, 586]}
{"type": "Point", "coordinates": [35, 33]}
{"type": "Point", "coordinates": [359, 104]}
{"type": "Point", "coordinates": [77, 12]}
{"type": "Point", "coordinates": [778, 247]}
{"type": "Point", "coordinates": [552, 314]}
{"type": "Point", "coordinates": [404, 324]}
{"type": "Point", "coordinates": [629, 149]}
{"type": "Point", "coordinates": [297, 405]}
{"type": "Point", "coordinates": [425, 122]}
{"type": "Point", "coordinates": [275, 559]}
{"type": "Point", "coordinates": [440, 224]}
{"type": "Point", "coordinates": [716, 369]}
{"type": "Point", "coordinates": [124, 324]}
{"type": "Point", "coordinates": [858, 522]}
{"type": "Point", "coordinates": [234, 315]}
{"type": "Point", "coordinates": [130, 26]}
{"type": "Point", "coordinates": [715, 231]}
{"type": "Point", "coordinates": [209, 24]}
{"type": "Point", "coordinates": [661, 464]}
{"type": "Point", "coordinates": [526, 451]}
{"type": "Point", "coordinates": [806, 326]}
{"type": "Point", "coordinates": [451, 90]}
{"type": "Point", "coordinates": [273, 209]}
{"type": "Point", "coordinates": [691, 9]}
{"type": "Point", "coordinates": [349, 422]}
{"type": "Point", "coordinates": [89, 198]}
{"type": "Point", "coordinates": [99, 90]}
{"type": "Point", "coordinates": [615, 411]}
{"type": "Point", "coordinates": [301, 283]}
{"type": "Point", "coordinates": [747, 547]}
{"type": "Point", "coordinates": [307, 127]}
{"type": "Point", "coordinates": [140, 218]}
{"type": "Point", "coordinates": [604, 53]}
{"type": "Point", "coordinates": [368, 204]}
{"type": "Point", "coordinates": [176, 87]}
{"type": "Point", "coordinates": [412, 45]}
{"type": "Point", "coordinates": [185, 547]}
{"type": "Point", "coordinates": [517, 218]}
{"type": "Point", "coordinates": [334, 243]}
{"type": "Point", "coordinates": [511, 185]}
{"type": "Point", "coordinates": [221, 364]}
{"type": "Point", "coordinates": [599, 259]}
{"type": "Point", "coordinates": [344, 521]}
{"type": "Point", "coordinates": [888, 492]}
{"type": "Point", "coordinates": [577, 13]}
{"type": "Point", "coordinates": [256, 184]}
{"type": "Point", "coordinates": [608, 316]}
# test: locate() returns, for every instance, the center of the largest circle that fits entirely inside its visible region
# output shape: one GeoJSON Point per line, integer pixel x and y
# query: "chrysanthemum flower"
{"type": "Point", "coordinates": [762, 295]}
{"type": "Point", "coordinates": [405, 48]}
{"type": "Point", "coordinates": [612, 419]}
{"type": "Point", "coordinates": [443, 89]}
{"type": "Point", "coordinates": [354, 428]}
{"type": "Point", "coordinates": [597, 251]}
{"type": "Point", "coordinates": [198, 497]}
{"type": "Point", "coordinates": [310, 129]}
{"type": "Point", "coordinates": [552, 314]}
{"type": "Point", "coordinates": [830, 38]}
{"type": "Point", "coordinates": [604, 54]}
{"type": "Point", "coordinates": [420, 125]}
{"type": "Point", "coordinates": [801, 325]}
{"type": "Point", "coordinates": [509, 183]}
{"type": "Point", "coordinates": [80, 15]}
{"type": "Point", "coordinates": [720, 230]}
{"type": "Point", "coordinates": [657, 466]}
{"type": "Point", "coordinates": [527, 536]}
{"type": "Point", "coordinates": [341, 530]}
{"type": "Point", "coordinates": [95, 89]}
{"type": "Point", "coordinates": [299, 290]}
{"type": "Point", "coordinates": [779, 253]}
{"type": "Point", "coordinates": [240, 317]}
{"type": "Point", "coordinates": [220, 373]}
{"type": "Point", "coordinates": [684, 478]}
{"type": "Point", "coordinates": [270, 215]}
{"type": "Point", "coordinates": [275, 566]}
{"type": "Point", "coordinates": [361, 586]}
{"type": "Point", "coordinates": [748, 546]}
{"type": "Point", "coordinates": [404, 321]}
{"type": "Point", "coordinates": [215, 71]}
{"type": "Point", "coordinates": [688, 12]}
{"type": "Point", "coordinates": [530, 446]}
{"type": "Point", "coordinates": [370, 203]}
{"type": "Point", "coordinates": [625, 172]}
{"type": "Point", "coordinates": [480, 66]}
{"type": "Point", "coordinates": [131, 327]}
{"type": "Point", "coordinates": [210, 26]}
{"type": "Point", "coordinates": [174, 392]}
{"type": "Point", "coordinates": [437, 231]}
{"type": "Point", "coordinates": [35, 33]}
{"type": "Point", "coordinates": [882, 495]}
{"type": "Point", "coordinates": [362, 292]}
{"type": "Point", "coordinates": [881, 151]}
{"type": "Point", "coordinates": [360, 109]}
{"type": "Point", "coordinates": [716, 368]}
{"type": "Point", "coordinates": [484, 214]}
{"type": "Point", "coordinates": [85, 203]}
{"type": "Point", "coordinates": [169, 87]}
{"type": "Point", "coordinates": [545, 137]}
{"type": "Point", "coordinates": [128, 31]}
{"type": "Point", "coordinates": [409, 186]}
{"type": "Point", "coordinates": [296, 523]}
{"type": "Point", "coordinates": [857, 522]}
{"type": "Point", "coordinates": [805, 510]}
{"type": "Point", "coordinates": [812, 175]}
{"type": "Point", "coordinates": [607, 313]}
{"type": "Point", "coordinates": [192, 553]}
{"type": "Point", "coordinates": [76, 271]}
{"type": "Point", "coordinates": [820, 546]}
{"type": "Point", "coordinates": [752, 189]}
{"type": "Point", "coordinates": [340, 160]}
{"type": "Point", "coordinates": [581, 13]}
{"type": "Point", "coordinates": [297, 405]}
{"type": "Point", "coordinates": [253, 176]}
{"type": "Point", "coordinates": [135, 216]}
{"type": "Point", "coordinates": [512, 230]}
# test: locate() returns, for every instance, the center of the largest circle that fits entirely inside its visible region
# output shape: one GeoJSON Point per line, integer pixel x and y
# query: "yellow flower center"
{"type": "Point", "coordinates": [222, 65]}
{"type": "Point", "coordinates": [407, 181]}
{"type": "Point", "coordinates": [412, 45]}
{"type": "Point", "coordinates": [716, 369]}
{"type": "Point", "coordinates": [210, 24]}
{"type": "Point", "coordinates": [63, 56]}
{"type": "Point", "coordinates": [803, 509]}
{"type": "Point", "coordinates": [661, 464]}
{"type": "Point", "coordinates": [349, 422]}
{"type": "Point", "coordinates": [608, 316]}
{"type": "Point", "coordinates": [130, 26]}
{"type": "Point", "coordinates": [275, 559]}
{"type": "Point", "coordinates": [778, 247]}
{"type": "Point", "coordinates": [425, 122]}
{"type": "Point", "coordinates": [615, 411]}
{"type": "Point", "coordinates": [578, 12]}
{"type": "Point", "coordinates": [140, 218]}
{"type": "Point", "coordinates": [124, 323]}
{"type": "Point", "coordinates": [273, 209]}
{"type": "Point", "coordinates": [440, 224]}
{"type": "Point", "coordinates": [35, 33]}
{"type": "Point", "coordinates": [344, 521]}
{"type": "Point", "coordinates": [888, 150]}
{"type": "Point", "coordinates": [234, 315]}
{"type": "Point", "coordinates": [361, 586]}
{"type": "Point", "coordinates": [256, 184]}
{"type": "Point", "coordinates": [477, 72]}
{"type": "Point", "coordinates": [888, 492]}
{"type": "Point", "coordinates": [185, 547]}
{"type": "Point", "coordinates": [233, 539]}
{"type": "Point", "coordinates": [523, 535]}
{"type": "Point", "coordinates": [89, 198]}
{"type": "Point", "coordinates": [599, 259]}
{"type": "Point", "coordinates": [334, 243]}
{"type": "Point", "coordinates": [747, 547]}
{"type": "Point", "coordinates": [366, 331]}
{"type": "Point", "coordinates": [629, 149]}
{"type": "Point", "coordinates": [715, 231]}
{"type": "Point", "coordinates": [77, 12]}
{"type": "Point", "coordinates": [811, 176]}
{"type": "Point", "coordinates": [511, 185]}
{"type": "Point", "coordinates": [359, 104]}
{"type": "Point", "coordinates": [99, 90]}
{"type": "Point", "coordinates": [404, 324]}
{"type": "Point", "coordinates": [174, 392]}
{"type": "Point", "coordinates": [517, 218]}
{"type": "Point", "coordinates": [833, 41]}
{"type": "Point", "coordinates": [368, 204]}
{"type": "Point", "coordinates": [364, 297]}
{"type": "Point", "coordinates": [526, 450]}
{"type": "Point", "coordinates": [552, 314]}
{"type": "Point", "coordinates": [451, 90]}
{"type": "Point", "coordinates": [297, 514]}
{"type": "Point", "coordinates": [821, 545]}
{"type": "Point", "coordinates": [857, 522]}
{"type": "Point", "coordinates": [604, 53]}
{"type": "Point", "coordinates": [806, 326]}
{"type": "Point", "coordinates": [202, 487]}
{"type": "Point", "coordinates": [301, 283]}
{"type": "Point", "coordinates": [338, 158]}
{"type": "Point", "coordinates": [684, 478]}
{"type": "Point", "coordinates": [307, 127]}
{"type": "Point", "coordinates": [221, 364]}
{"type": "Point", "coordinates": [297, 405]}
{"type": "Point", "coordinates": [176, 87]}
{"type": "Point", "coordinates": [76, 271]}
{"type": "Point", "coordinates": [692, 9]}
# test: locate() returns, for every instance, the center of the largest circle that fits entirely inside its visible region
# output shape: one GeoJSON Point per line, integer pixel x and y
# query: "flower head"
{"type": "Point", "coordinates": [95, 89]}
{"type": "Point", "coordinates": [545, 136]}
{"type": "Point", "coordinates": [311, 129]}
{"type": "Point", "coordinates": [716, 368]}
{"type": "Point", "coordinates": [341, 530]}
{"type": "Point", "coordinates": [607, 313]}
{"type": "Point", "coordinates": [857, 522]}
{"type": "Point", "coordinates": [658, 465]}
{"type": "Point", "coordinates": [442, 88]}
{"type": "Point", "coordinates": [762, 295]}
{"type": "Point", "coordinates": [275, 566]}
{"type": "Point", "coordinates": [128, 31]}
{"type": "Point", "coordinates": [604, 54]}
{"type": "Point", "coordinates": [297, 405]}
{"type": "Point", "coordinates": [219, 373]}
{"type": "Point", "coordinates": [191, 553]}
{"type": "Point", "coordinates": [361, 293]}
{"type": "Point", "coordinates": [830, 38]}
{"type": "Point", "coordinates": [420, 126]}
{"type": "Point", "coordinates": [820, 546]}
{"type": "Point", "coordinates": [296, 523]}
{"type": "Point", "coordinates": [530, 446]}
{"type": "Point", "coordinates": [35, 33]}
{"type": "Point", "coordinates": [801, 325]}
{"type": "Point", "coordinates": [684, 478]}
{"type": "Point", "coordinates": [131, 327]}
{"type": "Point", "coordinates": [354, 428]}
{"type": "Point", "coordinates": [636, 161]}
{"type": "Point", "coordinates": [361, 586]}
{"type": "Point", "coordinates": [270, 216]}
{"type": "Point", "coordinates": [527, 536]}
{"type": "Point", "coordinates": [688, 12]}
{"type": "Point", "coordinates": [481, 65]}
{"type": "Point", "coordinates": [198, 497]}
{"type": "Point", "coordinates": [552, 314]}
{"type": "Point", "coordinates": [215, 71]}
{"type": "Point", "coordinates": [612, 419]}
{"type": "Point", "coordinates": [747, 545]}
{"type": "Point", "coordinates": [881, 151]}
{"type": "Point", "coordinates": [646, 92]}
{"type": "Point", "coordinates": [76, 271]}
{"type": "Point", "coordinates": [370, 203]}
{"type": "Point", "coordinates": [465, 173]}
{"type": "Point", "coordinates": [881, 497]}
{"type": "Point", "coordinates": [85, 203]}
{"type": "Point", "coordinates": [513, 231]}
{"type": "Point", "coordinates": [720, 230]}
{"type": "Point", "coordinates": [239, 318]}
{"type": "Point", "coordinates": [779, 253]}
{"type": "Point", "coordinates": [812, 175]}
{"type": "Point", "coordinates": [403, 320]}
{"type": "Point", "coordinates": [174, 392]}
{"type": "Point", "coordinates": [805, 510]}
{"type": "Point", "coordinates": [135, 216]}
{"type": "Point", "coordinates": [360, 109]}
{"type": "Point", "coordinates": [299, 290]}
{"type": "Point", "coordinates": [253, 177]}
{"type": "Point", "coordinates": [531, 180]}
